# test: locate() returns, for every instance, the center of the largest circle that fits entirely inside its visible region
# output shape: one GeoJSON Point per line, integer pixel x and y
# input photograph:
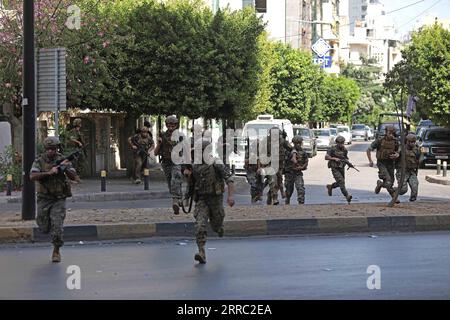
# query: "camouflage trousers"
{"type": "Point", "coordinates": [139, 166]}
{"type": "Point", "coordinates": [50, 218]}
{"type": "Point", "coordinates": [295, 179]}
{"type": "Point", "coordinates": [411, 179]}
{"type": "Point", "coordinates": [208, 208]}
{"type": "Point", "coordinates": [174, 178]}
{"type": "Point", "coordinates": [275, 185]}
{"type": "Point", "coordinates": [339, 176]}
{"type": "Point", "coordinates": [386, 172]}
{"type": "Point", "coordinates": [256, 185]}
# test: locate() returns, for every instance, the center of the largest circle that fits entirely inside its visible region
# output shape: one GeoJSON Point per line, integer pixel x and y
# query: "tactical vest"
{"type": "Point", "coordinates": [385, 149]}
{"type": "Point", "coordinates": [167, 146]}
{"type": "Point", "coordinates": [56, 186]}
{"type": "Point", "coordinates": [301, 158]}
{"type": "Point", "coordinates": [206, 180]}
{"type": "Point", "coordinates": [146, 143]}
{"type": "Point", "coordinates": [411, 159]}
{"type": "Point", "coordinates": [337, 153]}
{"type": "Point", "coordinates": [77, 135]}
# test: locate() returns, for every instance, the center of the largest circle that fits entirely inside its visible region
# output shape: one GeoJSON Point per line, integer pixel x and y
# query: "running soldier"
{"type": "Point", "coordinates": [209, 180]}
{"type": "Point", "coordinates": [166, 142]}
{"type": "Point", "coordinates": [141, 144]}
{"type": "Point", "coordinates": [53, 189]}
{"type": "Point", "coordinates": [76, 141]}
{"type": "Point", "coordinates": [336, 157]}
{"type": "Point", "coordinates": [387, 153]}
{"type": "Point", "coordinates": [412, 156]}
{"type": "Point", "coordinates": [253, 169]}
{"type": "Point", "coordinates": [298, 162]}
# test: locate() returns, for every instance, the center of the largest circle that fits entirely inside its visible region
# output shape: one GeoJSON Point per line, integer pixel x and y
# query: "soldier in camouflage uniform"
{"type": "Point", "coordinates": [334, 156]}
{"type": "Point", "coordinates": [166, 142]}
{"type": "Point", "coordinates": [412, 166]}
{"type": "Point", "coordinates": [142, 144]}
{"type": "Point", "coordinates": [252, 168]}
{"type": "Point", "coordinates": [53, 189]}
{"type": "Point", "coordinates": [387, 153]}
{"type": "Point", "coordinates": [76, 141]}
{"type": "Point", "coordinates": [298, 162]}
{"type": "Point", "coordinates": [209, 180]}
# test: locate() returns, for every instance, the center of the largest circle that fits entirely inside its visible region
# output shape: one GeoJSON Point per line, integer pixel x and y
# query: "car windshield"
{"type": "Point", "coordinates": [257, 130]}
{"type": "Point", "coordinates": [359, 127]}
{"type": "Point", "coordinates": [384, 125]}
{"type": "Point", "coordinates": [304, 132]}
{"type": "Point", "coordinates": [438, 135]}
{"type": "Point", "coordinates": [322, 133]}
{"type": "Point", "coordinates": [333, 131]}
{"type": "Point", "coordinates": [342, 129]}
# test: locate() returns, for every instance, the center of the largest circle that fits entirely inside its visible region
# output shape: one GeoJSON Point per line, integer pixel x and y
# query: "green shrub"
{"type": "Point", "coordinates": [10, 163]}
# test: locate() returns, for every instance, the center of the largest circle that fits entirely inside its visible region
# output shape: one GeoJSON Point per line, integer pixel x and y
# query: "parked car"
{"type": "Point", "coordinates": [324, 138]}
{"type": "Point", "coordinates": [381, 131]}
{"type": "Point", "coordinates": [434, 144]}
{"type": "Point", "coordinates": [370, 134]}
{"type": "Point", "coordinates": [333, 134]}
{"type": "Point", "coordinates": [309, 140]}
{"type": "Point", "coordinates": [344, 131]}
{"type": "Point", "coordinates": [359, 132]}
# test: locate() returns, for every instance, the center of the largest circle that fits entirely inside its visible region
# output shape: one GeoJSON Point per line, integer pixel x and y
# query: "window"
{"type": "Point", "coordinates": [261, 6]}
{"type": "Point", "coordinates": [247, 3]}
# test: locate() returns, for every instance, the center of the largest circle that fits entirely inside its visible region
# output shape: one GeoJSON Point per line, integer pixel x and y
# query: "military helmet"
{"type": "Point", "coordinates": [390, 128]}
{"type": "Point", "coordinates": [297, 139]}
{"type": "Point", "coordinates": [51, 142]}
{"type": "Point", "coordinates": [143, 129]}
{"type": "Point", "coordinates": [340, 139]}
{"type": "Point", "coordinates": [411, 137]}
{"type": "Point", "coordinates": [172, 119]}
{"type": "Point", "coordinates": [77, 122]}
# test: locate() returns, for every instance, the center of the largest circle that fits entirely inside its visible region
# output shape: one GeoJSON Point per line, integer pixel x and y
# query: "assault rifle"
{"type": "Point", "coordinates": [188, 196]}
{"type": "Point", "coordinates": [349, 164]}
{"type": "Point", "coordinates": [71, 157]}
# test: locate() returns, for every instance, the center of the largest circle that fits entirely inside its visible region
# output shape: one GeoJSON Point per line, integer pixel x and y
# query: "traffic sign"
{"type": "Point", "coordinates": [321, 47]}
{"type": "Point", "coordinates": [324, 62]}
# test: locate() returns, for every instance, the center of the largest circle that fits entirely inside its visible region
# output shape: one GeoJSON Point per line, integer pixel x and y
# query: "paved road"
{"type": "Point", "coordinates": [360, 184]}
{"type": "Point", "coordinates": [413, 266]}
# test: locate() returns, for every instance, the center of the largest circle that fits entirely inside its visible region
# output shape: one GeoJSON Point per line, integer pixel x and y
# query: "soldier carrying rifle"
{"type": "Point", "coordinates": [141, 144]}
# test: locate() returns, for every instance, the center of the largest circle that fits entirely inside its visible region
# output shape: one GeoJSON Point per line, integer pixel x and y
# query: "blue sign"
{"type": "Point", "coordinates": [324, 62]}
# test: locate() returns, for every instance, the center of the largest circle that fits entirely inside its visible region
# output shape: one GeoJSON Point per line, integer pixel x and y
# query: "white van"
{"type": "Point", "coordinates": [258, 128]}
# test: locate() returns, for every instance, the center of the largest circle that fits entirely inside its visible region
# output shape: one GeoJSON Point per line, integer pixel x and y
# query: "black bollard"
{"type": "Point", "coordinates": [103, 180]}
{"type": "Point", "coordinates": [146, 174]}
{"type": "Point", "coordinates": [444, 169]}
{"type": "Point", "coordinates": [8, 184]}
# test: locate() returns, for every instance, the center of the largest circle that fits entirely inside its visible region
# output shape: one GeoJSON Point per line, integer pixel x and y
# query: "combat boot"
{"type": "Point", "coordinates": [378, 187]}
{"type": "Point", "coordinates": [269, 199]}
{"type": "Point", "coordinates": [330, 189]}
{"type": "Point", "coordinates": [349, 198]}
{"type": "Point", "coordinates": [137, 181]}
{"type": "Point", "coordinates": [283, 194]}
{"type": "Point", "coordinates": [201, 255]}
{"type": "Point", "coordinates": [56, 256]}
{"type": "Point", "coordinates": [412, 199]}
{"type": "Point", "coordinates": [220, 232]}
{"type": "Point", "coordinates": [176, 206]}
{"type": "Point", "coordinates": [287, 200]}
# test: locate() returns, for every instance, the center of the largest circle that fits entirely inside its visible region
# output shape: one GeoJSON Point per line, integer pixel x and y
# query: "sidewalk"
{"type": "Point", "coordinates": [117, 188]}
{"type": "Point", "coordinates": [438, 179]}
{"type": "Point", "coordinates": [91, 224]}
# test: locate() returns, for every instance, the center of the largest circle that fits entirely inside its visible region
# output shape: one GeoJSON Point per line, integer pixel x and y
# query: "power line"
{"type": "Point", "coordinates": [348, 24]}
{"type": "Point", "coordinates": [423, 12]}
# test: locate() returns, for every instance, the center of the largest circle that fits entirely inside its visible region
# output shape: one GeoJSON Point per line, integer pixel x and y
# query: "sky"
{"type": "Point", "coordinates": [405, 19]}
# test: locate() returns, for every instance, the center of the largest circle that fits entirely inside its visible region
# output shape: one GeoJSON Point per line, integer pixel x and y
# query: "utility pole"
{"type": "Point", "coordinates": [28, 112]}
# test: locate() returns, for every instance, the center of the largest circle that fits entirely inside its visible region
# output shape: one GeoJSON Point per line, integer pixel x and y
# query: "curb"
{"type": "Point", "coordinates": [236, 228]}
{"type": "Point", "coordinates": [438, 180]}
{"type": "Point", "coordinates": [106, 196]}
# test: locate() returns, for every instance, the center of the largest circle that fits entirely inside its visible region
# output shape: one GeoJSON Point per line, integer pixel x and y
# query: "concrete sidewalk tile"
{"type": "Point", "coordinates": [292, 226]}
{"type": "Point", "coordinates": [16, 234]}
{"type": "Point", "coordinates": [245, 227]}
{"type": "Point", "coordinates": [121, 231]}
{"type": "Point", "coordinates": [175, 229]}
{"type": "Point", "coordinates": [436, 222]}
{"type": "Point", "coordinates": [343, 224]}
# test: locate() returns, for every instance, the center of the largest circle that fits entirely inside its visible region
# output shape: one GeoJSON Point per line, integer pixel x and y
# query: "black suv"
{"type": "Point", "coordinates": [434, 143]}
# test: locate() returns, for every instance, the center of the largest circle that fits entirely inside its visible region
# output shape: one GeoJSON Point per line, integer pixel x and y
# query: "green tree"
{"type": "Point", "coordinates": [295, 84]}
{"type": "Point", "coordinates": [425, 73]}
{"type": "Point", "coordinates": [338, 97]}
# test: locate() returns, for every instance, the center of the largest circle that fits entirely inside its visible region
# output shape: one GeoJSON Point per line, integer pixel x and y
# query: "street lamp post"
{"type": "Point", "coordinates": [29, 112]}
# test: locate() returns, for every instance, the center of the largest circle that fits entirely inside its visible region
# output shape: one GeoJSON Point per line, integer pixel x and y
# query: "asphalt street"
{"type": "Point", "coordinates": [410, 266]}
{"type": "Point", "coordinates": [360, 184]}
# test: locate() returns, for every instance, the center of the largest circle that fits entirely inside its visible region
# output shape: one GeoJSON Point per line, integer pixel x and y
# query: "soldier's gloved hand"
{"type": "Point", "coordinates": [65, 162]}
{"type": "Point", "coordinates": [230, 201]}
{"type": "Point", "coordinates": [134, 147]}
{"type": "Point", "coordinates": [371, 164]}
{"type": "Point", "coordinates": [53, 170]}
{"type": "Point", "coordinates": [395, 155]}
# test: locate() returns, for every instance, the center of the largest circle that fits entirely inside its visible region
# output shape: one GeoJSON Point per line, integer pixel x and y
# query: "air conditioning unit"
{"type": "Point", "coordinates": [265, 117]}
